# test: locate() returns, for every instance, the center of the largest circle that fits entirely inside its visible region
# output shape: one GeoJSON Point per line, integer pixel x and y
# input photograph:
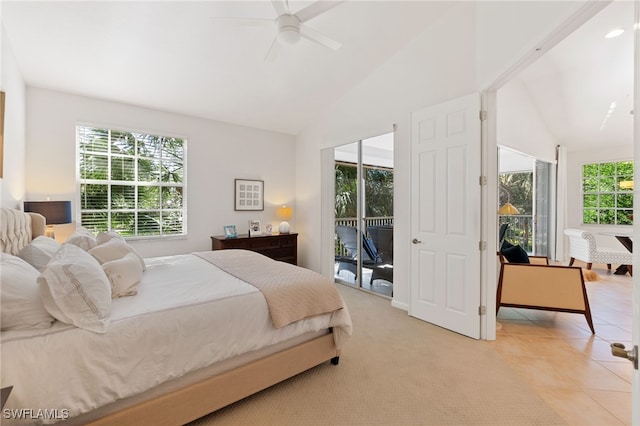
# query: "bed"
{"type": "Point", "coordinates": [199, 332]}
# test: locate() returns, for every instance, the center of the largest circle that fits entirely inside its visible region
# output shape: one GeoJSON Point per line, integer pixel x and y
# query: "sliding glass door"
{"type": "Point", "coordinates": [524, 195]}
{"type": "Point", "coordinates": [364, 214]}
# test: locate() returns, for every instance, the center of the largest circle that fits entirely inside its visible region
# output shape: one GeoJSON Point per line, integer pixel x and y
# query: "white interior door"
{"type": "Point", "coordinates": [635, 378]}
{"type": "Point", "coordinates": [445, 215]}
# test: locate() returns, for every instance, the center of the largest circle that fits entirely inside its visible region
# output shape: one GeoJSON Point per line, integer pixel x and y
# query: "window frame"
{"type": "Point", "coordinates": [136, 183]}
{"type": "Point", "coordinates": [599, 192]}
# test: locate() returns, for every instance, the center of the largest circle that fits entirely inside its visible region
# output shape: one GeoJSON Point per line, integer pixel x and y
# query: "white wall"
{"type": "Point", "coordinates": [519, 124]}
{"type": "Point", "coordinates": [216, 154]}
{"type": "Point", "coordinates": [462, 52]}
{"type": "Point", "coordinates": [12, 183]}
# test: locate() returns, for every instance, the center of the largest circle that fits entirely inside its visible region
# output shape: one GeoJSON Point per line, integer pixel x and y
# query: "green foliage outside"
{"type": "Point", "coordinates": [603, 200]}
{"type": "Point", "coordinates": [378, 187]}
{"type": "Point", "coordinates": [131, 182]}
{"type": "Point", "coordinates": [517, 189]}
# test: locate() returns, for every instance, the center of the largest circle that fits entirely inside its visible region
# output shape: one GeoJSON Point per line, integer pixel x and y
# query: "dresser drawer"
{"type": "Point", "coordinates": [283, 247]}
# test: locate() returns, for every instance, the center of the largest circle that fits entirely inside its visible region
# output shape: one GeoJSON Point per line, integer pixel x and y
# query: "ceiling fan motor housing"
{"type": "Point", "coordinates": [288, 29]}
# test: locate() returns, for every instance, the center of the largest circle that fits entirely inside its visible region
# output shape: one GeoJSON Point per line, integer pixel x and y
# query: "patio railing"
{"type": "Point", "coordinates": [520, 230]}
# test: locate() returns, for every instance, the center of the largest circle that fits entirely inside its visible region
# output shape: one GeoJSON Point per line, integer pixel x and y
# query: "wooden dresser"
{"type": "Point", "coordinates": [283, 247]}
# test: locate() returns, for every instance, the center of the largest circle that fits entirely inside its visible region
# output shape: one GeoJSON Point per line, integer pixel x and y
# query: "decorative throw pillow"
{"type": "Point", "coordinates": [514, 253]}
{"type": "Point", "coordinates": [115, 249]}
{"type": "Point", "coordinates": [21, 305]}
{"type": "Point", "coordinates": [103, 237]}
{"type": "Point", "coordinates": [123, 274]}
{"type": "Point", "coordinates": [75, 289]}
{"type": "Point", "coordinates": [83, 238]}
{"type": "Point", "coordinates": [39, 252]}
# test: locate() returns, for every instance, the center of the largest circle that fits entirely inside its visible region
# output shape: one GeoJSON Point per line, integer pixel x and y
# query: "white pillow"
{"type": "Point", "coordinates": [83, 238]}
{"type": "Point", "coordinates": [115, 249]}
{"type": "Point", "coordinates": [21, 305]}
{"type": "Point", "coordinates": [75, 289]}
{"type": "Point", "coordinates": [103, 237]}
{"type": "Point", "coordinates": [39, 251]}
{"type": "Point", "coordinates": [123, 274]}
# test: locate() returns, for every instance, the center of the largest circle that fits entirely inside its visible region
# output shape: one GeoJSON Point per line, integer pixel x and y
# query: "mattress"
{"type": "Point", "coordinates": [188, 315]}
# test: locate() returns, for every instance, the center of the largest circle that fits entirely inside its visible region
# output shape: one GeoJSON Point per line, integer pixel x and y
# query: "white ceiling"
{"type": "Point", "coordinates": [172, 56]}
{"type": "Point", "coordinates": [575, 85]}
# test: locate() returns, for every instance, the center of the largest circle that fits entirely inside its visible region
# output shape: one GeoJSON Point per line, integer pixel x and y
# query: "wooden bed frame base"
{"type": "Point", "coordinates": [192, 402]}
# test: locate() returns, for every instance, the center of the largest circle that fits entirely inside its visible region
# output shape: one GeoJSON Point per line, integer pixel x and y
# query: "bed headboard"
{"type": "Point", "coordinates": [18, 228]}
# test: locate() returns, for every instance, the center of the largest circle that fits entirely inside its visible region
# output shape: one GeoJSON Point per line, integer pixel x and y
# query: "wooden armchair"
{"type": "Point", "coordinates": [544, 287]}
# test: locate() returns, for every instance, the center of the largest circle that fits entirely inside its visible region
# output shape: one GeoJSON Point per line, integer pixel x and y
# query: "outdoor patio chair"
{"type": "Point", "coordinates": [382, 237]}
{"type": "Point", "coordinates": [348, 236]}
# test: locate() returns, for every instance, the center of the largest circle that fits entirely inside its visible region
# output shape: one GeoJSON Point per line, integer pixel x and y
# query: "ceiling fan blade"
{"type": "Point", "coordinates": [281, 7]}
{"type": "Point", "coordinates": [315, 9]}
{"type": "Point", "coordinates": [272, 53]}
{"type": "Point", "coordinates": [321, 39]}
{"type": "Point", "coordinates": [246, 22]}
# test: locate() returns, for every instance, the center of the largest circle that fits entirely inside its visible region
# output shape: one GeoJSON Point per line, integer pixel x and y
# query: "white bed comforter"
{"type": "Point", "coordinates": [184, 317]}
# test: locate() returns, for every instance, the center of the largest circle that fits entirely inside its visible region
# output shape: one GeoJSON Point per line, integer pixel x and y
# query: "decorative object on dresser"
{"type": "Point", "coordinates": [230, 231]}
{"type": "Point", "coordinates": [284, 213]}
{"type": "Point", "coordinates": [55, 212]}
{"type": "Point", "coordinates": [249, 194]}
{"type": "Point", "coordinates": [254, 228]}
{"type": "Point", "coordinates": [278, 247]}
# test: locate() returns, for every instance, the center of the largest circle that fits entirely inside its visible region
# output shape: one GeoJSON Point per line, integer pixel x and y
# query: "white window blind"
{"type": "Point", "coordinates": [131, 182]}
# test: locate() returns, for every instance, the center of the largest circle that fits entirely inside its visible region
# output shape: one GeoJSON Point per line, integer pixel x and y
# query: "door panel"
{"type": "Point", "coordinates": [445, 259]}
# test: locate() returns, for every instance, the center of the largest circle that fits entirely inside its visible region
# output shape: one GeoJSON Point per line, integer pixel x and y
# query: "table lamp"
{"type": "Point", "coordinates": [55, 213]}
{"type": "Point", "coordinates": [284, 213]}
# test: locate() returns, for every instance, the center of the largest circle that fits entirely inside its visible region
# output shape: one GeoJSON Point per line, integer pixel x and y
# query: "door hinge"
{"type": "Point", "coordinates": [482, 310]}
{"type": "Point", "coordinates": [483, 115]}
{"type": "Point", "coordinates": [482, 245]}
{"type": "Point", "coordinates": [482, 180]}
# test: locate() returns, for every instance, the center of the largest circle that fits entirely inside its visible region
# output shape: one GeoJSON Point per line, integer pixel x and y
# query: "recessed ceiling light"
{"type": "Point", "coordinates": [614, 33]}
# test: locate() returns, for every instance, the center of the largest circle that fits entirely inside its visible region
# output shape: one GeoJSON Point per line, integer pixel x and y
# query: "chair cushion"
{"type": "Point", "coordinates": [514, 253]}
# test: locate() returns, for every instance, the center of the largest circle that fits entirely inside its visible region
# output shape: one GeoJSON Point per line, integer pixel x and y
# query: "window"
{"type": "Point", "coordinates": [130, 182]}
{"type": "Point", "coordinates": [607, 193]}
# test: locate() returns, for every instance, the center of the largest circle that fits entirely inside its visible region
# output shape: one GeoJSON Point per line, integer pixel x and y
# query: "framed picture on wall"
{"type": "Point", "coordinates": [249, 194]}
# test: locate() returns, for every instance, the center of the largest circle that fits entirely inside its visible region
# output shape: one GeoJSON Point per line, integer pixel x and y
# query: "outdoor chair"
{"type": "Point", "coordinates": [348, 236]}
{"type": "Point", "coordinates": [382, 237]}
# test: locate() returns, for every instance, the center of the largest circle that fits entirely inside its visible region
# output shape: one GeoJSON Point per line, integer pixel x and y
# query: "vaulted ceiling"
{"type": "Point", "coordinates": [583, 87]}
{"type": "Point", "coordinates": [175, 56]}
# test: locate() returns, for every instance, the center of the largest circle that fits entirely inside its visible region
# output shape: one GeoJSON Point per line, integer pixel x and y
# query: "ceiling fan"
{"type": "Point", "coordinates": [291, 26]}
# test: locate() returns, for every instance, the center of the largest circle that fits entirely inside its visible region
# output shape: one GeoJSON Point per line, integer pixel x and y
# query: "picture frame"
{"type": "Point", "coordinates": [249, 195]}
{"type": "Point", "coordinates": [230, 231]}
{"type": "Point", "coordinates": [255, 228]}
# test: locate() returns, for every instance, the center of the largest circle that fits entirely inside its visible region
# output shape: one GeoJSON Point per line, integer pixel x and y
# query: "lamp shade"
{"type": "Point", "coordinates": [284, 213]}
{"type": "Point", "coordinates": [55, 212]}
{"type": "Point", "coordinates": [508, 209]}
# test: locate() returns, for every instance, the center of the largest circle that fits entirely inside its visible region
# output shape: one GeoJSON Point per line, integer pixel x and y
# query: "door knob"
{"type": "Point", "coordinates": [416, 241]}
{"type": "Point", "coordinates": [618, 349]}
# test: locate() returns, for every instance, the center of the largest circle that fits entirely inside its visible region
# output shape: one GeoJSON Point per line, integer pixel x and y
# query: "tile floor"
{"type": "Point", "coordinates": [569, 367]}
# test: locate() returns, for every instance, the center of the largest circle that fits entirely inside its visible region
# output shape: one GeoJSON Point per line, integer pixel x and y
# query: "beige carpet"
{"type": "Point", "coordinates": [396, 370]}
